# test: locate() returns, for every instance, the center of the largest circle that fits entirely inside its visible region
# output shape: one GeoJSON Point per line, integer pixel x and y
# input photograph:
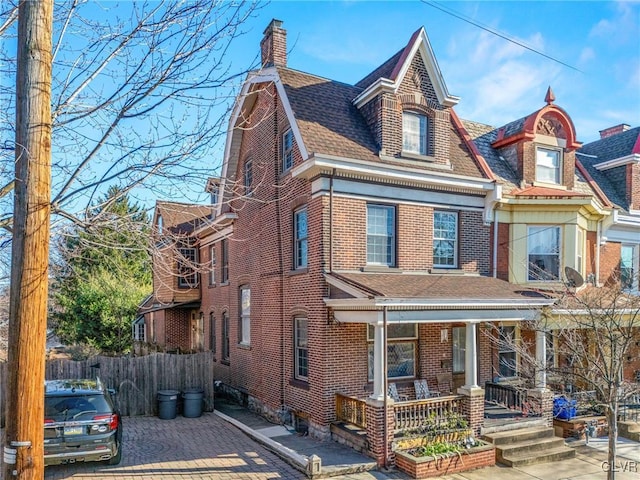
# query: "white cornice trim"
{"type": "Point", "coordinates": [266, 75]}
{"type": "Point", "coordinates": [618, 162]}
{"type": "Point", "coordinates": [220, 221]}
{"type": "Point", "coordinates": [423, 46]}
{"type": "Point", "coordinates": [317, 164]}
{"type": "Point", "coordinates": [426, 303]}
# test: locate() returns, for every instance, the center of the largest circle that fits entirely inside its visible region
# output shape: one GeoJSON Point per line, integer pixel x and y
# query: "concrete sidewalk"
{"type": "Point", "coordinates": [344, 463]}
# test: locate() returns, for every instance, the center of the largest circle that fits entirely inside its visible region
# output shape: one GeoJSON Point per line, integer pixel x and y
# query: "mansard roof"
{"type": "Point", "coordinates": [616, 147]}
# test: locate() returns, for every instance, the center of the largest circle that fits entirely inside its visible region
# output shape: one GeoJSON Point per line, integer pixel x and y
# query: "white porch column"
{"type": "Point", "coordinates": [471, 357]}
{"type": "Point", "coordinates": [541, 360]}
{"type": "Point", "coordinates": [378, 359]}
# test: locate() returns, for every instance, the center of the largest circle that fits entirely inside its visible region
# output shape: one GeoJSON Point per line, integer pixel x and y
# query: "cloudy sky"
{"type": "Point", "coordinates": [594, 68]}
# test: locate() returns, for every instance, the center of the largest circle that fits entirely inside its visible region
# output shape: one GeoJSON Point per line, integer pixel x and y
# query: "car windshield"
{"type": "Point", "coordinates": [62, 407]}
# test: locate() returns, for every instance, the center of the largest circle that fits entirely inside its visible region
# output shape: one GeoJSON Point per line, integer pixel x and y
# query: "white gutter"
{"type": "Point", "coordinates": [618, 162]}
{"type": "Point", "coordinates": [454, 303]}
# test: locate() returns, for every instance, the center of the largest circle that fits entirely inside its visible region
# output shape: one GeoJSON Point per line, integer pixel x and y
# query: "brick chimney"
{"type": "Point", "coordinates": [274, 45]}
{"type": "Point", "coordinates": [611, 131]}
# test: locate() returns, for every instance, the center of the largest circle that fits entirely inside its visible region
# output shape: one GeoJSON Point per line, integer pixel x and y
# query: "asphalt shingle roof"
{"type": "Point", "coordinates": [437, 287]}
{"type": "Point", "coordinates": [603, 150]}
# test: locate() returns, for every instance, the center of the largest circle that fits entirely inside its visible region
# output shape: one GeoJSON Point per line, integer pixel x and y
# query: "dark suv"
{"type": "Point", "coordinates": [81, 423]}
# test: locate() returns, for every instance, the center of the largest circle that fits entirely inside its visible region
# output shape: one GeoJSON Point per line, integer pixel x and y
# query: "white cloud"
{"type": "Point", "coordinates": [586, 55]}
{"type": "Point", "coordinates": [621, 27]}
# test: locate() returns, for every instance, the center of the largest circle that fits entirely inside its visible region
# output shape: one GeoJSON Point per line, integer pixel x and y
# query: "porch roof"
{"type": "Point", "coordinates": [431, 297]}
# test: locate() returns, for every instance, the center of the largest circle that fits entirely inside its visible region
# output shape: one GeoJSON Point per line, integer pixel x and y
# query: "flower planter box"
{"type": "Point", "coordinates": [413, 441]}
{"type": "Point", "coordinates": [426, 467]}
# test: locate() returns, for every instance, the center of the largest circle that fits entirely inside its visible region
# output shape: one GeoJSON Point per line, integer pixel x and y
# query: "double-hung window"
{"type": "Point", "coordinates": [212, 333]}
{"type": "Point", "coordinates": [248, 176]}
{"type": "Point", "coordinates": [543, 253]}
{"type": "Point", "coordinates": [459, 341]}
{"type": "Point", "coordinates": [580, 251]}
{"type": "Point", "coordinates": [445, 239]}
{"type": "Point", "coordinates": [224, 273]}
{"type": "Point", "coordinates": [138, 330]}
{"type": "Point", "coordinates": [287, 150]}
{"type": "Point", "coordinates": [401, 350]}
{"type": "Point", "coordinates": [245, 315]}
{"type": "Point", "coordinates": [414, 133]}
{"type": "Point", "coordinates": [300, 238]}
{"type": "Point", "coordinates": [507, 356]}
{"type": "Point", "coordinates": [225, 336]}
{"type": "Point", "coordinates": [301, 354]}
{"type": "Point", "coordinates": [629, 267]}
{"type": "Point", "coordinates": [548, 163]}
{"type": "Point", "coordinates": [187, 274]}
{"type": "Point", "coordinates": [381, 235]}
{"type": "Point", "coordinates": [212, 265]}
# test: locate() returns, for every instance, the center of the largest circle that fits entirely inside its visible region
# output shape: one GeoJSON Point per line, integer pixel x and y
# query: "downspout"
{"type": "Point", "coordinates": [598, 242]}
{"type": "Point", "coordinates": [333, 172]}
{"type": "Point", "coordinates": [495, 241]}
{"type": "Point", "coordinates": [385, 402]}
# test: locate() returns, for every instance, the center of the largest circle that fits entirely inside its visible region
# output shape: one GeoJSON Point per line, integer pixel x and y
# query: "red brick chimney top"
{"type": "Point", "coordinates": [274, 45]}
{"type": "Point", "coordinates": [611, 131]}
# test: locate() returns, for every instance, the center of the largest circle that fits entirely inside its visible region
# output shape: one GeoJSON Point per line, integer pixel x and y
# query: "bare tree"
{"type": "Point", "coordinates": [140, 96]}
{"type": "Point", "coordinates": [592, 337]}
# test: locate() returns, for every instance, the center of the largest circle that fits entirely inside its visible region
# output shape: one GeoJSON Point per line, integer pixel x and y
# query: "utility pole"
{"type": "Point", "coordinates": [24, 437]}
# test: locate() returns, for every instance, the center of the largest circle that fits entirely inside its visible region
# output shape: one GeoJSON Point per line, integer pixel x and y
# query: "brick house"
{"type": "Point", "coordinates": [350, 218]}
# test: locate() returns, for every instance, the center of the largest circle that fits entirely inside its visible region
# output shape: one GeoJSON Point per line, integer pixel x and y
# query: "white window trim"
{"type": "Point", "coordinates": [558, 169]}
{"type": "Point", "coordinates": [298, 241]}
{"type": "Point", "coordinates": [559, 254]}
{"type": "Point", "coordinates": [580, 249]}
{"type": "Point", "coordinates": [245, 315]}
{"type": "Point", "coordinates": [455, 240]}
{"type": "Point", "coordinates": [517, 342]}
{"type": "Point", "coordinates": [297, 348]}
{"type": "Point", "coordinates": [422, 135]}
{"type": "Point", "coordinates": [287, 153]}
{"type": "Point", "coordinates": [635, 264]}
{"type": "Point", "coordinates": [392, 238]}
{"type": "Point", "coordinates": [212, 265]}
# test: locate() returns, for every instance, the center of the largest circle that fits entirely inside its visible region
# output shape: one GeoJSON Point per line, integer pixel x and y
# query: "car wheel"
{"type": "Point", "coordinates": [117, 458]}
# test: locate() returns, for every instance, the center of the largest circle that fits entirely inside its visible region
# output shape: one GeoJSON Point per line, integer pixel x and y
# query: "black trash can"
{"type": "Point", "coordinates": [192, 405]}
{"type": "Point", "coordinates": [167, 400]}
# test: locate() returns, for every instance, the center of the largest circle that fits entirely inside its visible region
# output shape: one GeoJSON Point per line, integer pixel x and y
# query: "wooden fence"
{"type": "Point", "coordinates": [136, 379]}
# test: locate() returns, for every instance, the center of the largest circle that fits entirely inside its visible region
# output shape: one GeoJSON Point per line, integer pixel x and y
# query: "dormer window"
{"type": "Point", "coordinates": [159, 223]}
{"type": "Point", "coordinates": [548, 162]}
{"type": "Point", "coordinates": [414, 133]}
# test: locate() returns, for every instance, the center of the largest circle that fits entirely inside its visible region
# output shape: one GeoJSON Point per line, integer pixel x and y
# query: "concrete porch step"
{"type": "Point", "coordinates": [533, 458]}
{"type": "Point", "coordinates": [520, 435]}
{"type": "Point", "coordinates": [529, 446]}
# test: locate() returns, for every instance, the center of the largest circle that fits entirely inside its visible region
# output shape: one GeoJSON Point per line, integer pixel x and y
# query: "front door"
{"type": "Point", "coordinates": [197, 332]}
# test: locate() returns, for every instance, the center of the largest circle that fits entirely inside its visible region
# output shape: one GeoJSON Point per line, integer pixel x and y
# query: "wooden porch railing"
{"type": "Point", "coordinates": [351, 410]}
{"type": "Point", "coordinates": [505, 395]}
{"type": "Point", "coordinates": [418, 413]}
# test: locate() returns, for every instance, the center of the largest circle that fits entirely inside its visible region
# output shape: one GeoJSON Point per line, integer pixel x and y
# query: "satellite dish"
{"type": "Point", "coordinates": [574, 279]}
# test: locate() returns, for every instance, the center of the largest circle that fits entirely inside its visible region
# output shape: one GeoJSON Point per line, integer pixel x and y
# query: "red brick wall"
{"type": "Point", "coordinates": [633, 186]}
{"type": "Point", "coordinates": [178, 329]}
{"type": "Point", "coordinates": [503, 251]}
{"type": "Point", "coordinates": [609, 263]}
{"type": "Point", "coordinates": [423, 468]}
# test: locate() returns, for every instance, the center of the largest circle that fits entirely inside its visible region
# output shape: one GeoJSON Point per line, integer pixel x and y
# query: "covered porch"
{"type": "Point", "coordinates": [438, 307]}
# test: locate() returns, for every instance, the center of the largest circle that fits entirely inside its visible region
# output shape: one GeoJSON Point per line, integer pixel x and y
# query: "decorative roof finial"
{"type": "Point", "coordinates": [550, 97]}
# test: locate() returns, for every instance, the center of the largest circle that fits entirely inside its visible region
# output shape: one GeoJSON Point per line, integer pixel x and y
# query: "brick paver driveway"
{"type": "Point", "coordinates": [184, 448]}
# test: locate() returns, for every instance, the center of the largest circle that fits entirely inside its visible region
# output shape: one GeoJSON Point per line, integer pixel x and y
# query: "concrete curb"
{"type": "Point", "coordinates": [299, 462]}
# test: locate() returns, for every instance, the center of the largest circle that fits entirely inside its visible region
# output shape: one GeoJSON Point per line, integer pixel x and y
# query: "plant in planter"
{"type": "Point", "coordinates": [442, 458]}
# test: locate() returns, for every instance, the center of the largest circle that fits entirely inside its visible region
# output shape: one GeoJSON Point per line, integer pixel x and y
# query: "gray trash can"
{"type": "Point", "coordinates": [167, 400]}
{"type": "Point", "coordinates": [192, 406]}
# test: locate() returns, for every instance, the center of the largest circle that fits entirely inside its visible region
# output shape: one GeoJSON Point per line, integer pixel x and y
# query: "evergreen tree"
{"type": "Point", "coordinates": [104, 273]}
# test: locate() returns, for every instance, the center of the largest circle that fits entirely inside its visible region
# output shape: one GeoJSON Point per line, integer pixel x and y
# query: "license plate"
{"type": "Point", "coordinates": [73, 430]}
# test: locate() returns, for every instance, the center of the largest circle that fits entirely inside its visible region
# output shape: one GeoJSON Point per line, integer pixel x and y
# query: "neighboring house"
{"type": "Point", "coordinates": [614, 163]}
{"type": "Point", "coordinates": [172, 317]}
{"type": "Point", "coordinates": [355, 227]}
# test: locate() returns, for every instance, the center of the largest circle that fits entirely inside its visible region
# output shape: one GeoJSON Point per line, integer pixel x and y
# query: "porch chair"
{"type": "Point", "coordinates": [445, 383]}
{"type": "Point", "coordinates": [392, 391]}
{"type": "Point", "coordinates": [422, 390]}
